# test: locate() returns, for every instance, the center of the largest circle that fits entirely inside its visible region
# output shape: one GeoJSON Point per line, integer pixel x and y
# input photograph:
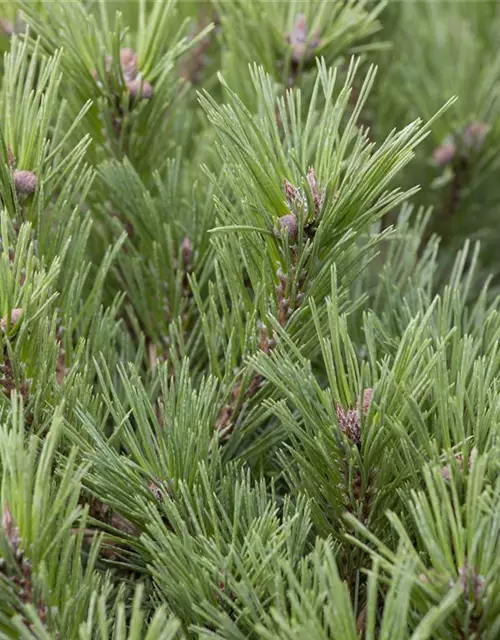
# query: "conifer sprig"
{"type": "Point", "coordinates": [235, 401]}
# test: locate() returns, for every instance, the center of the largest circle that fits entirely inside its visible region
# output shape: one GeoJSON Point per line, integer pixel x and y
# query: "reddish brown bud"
{"type": "Point", "coordinates": [475, 134]}
{"type": "Point", "coordinates": [7, 520]}
{"type": "Point", "coordinates": [291, 192]}
{"type": "Point", "coordinates": [294, 197]}
{"type": "Point", "coordinates": [350, 423]}
{"type": "Point", "coordinates": [160, 489]}
{"type": "Point", "coordinates": [444, 154]}
{"type": "Point", "coordinates": [15, 316]}
{"type": "Point", "coordinates": [298, 40]}
{"type": "Point", "coordinates": [264, 342]}
{"type": "Point", "coordinates": [311, 179]}
{"type": "Point", "coordinates": [156, 491]}
{"type": "Point", "coordinates": [25, 182]}
{"type": "Point", "coordinates": [283, 280]}
{"type": "Point", "coordinates": [10, 528]}
{"type": "Point", "coordinates": [186, 253]}
{"type": "Point", "coordinates": [350, 420]}
{"type": "Point", "coordinates": [367, 399]}
{"type": "Point", "coordinates": [140, 88]}
{"type": "Point", "coordinates": [288, 224]}
{"type": "Point", "coordinates": [128, 63]}
{"type": "Point", "coordinates": [318, 196]}
{"type": "Point", "coordinates": [445, 471]}
{"type": "Point", "coordinates": [468, 577]}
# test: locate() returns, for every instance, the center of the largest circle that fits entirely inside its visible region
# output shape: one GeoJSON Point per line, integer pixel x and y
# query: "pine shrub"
{"type": "Point", "coordinates": [250, 367]}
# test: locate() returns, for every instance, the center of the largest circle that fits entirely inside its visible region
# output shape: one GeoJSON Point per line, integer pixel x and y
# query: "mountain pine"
{"type": "Point", "coordinates": [250, 367]}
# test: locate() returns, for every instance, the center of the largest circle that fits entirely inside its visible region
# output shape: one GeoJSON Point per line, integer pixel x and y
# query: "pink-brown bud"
{"type": "Point", "coordinates": [350, 419]}
{"type": "Point", "coordinates": [294, 197]}
{"type": "Point", "coordinates": [444, 154]}
{"type": "Point", "coordinates": [186, 252]}
{"type": "Point", "coordinates": [10, 528]}
{"type": "Point", "coordinates": [291, 192]}
{"type": "Point", "coordinates": [475, 134]}
{"type": "Point", "coordinates": [160, 489]}
{"type": "Point", "coordinates": [15, 316]}
{"type": "Point", "coordinates": [350, 423]}
{"type": "Point", "coordinates": [297, 39]}
{"type": "Point", "coordinates": [140, 88]}
{"type": "Point", "coordinates": [288, 224]}
{"type": "Point", "coordinates": [367, 399]}
{"type": "Point", "coordinates": [445, 471]}
{"type": "Point", "coordinates": [25, 182]}
{"type": "Point", "coordinates": [318, 196]}
{"type": "Point", "coordinates": [128, 63]}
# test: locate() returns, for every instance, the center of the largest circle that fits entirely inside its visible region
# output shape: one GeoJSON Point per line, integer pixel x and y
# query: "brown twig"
{"type": "Point", "coordinates": [296, 201]}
